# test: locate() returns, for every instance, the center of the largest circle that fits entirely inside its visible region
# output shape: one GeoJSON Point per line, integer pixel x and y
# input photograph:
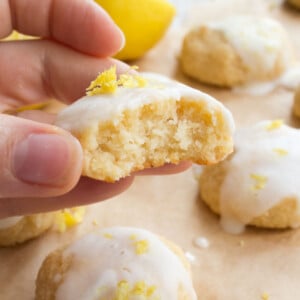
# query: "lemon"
{"type": "Point", "coordinates": [143, 23]}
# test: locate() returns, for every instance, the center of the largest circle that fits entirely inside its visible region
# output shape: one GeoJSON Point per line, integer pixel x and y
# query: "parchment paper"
{"type": "Point", "coordinates": [233, 267]}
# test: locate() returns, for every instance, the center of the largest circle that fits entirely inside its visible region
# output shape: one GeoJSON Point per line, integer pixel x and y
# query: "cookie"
{"type": "Point", "coordinates": [236, 51]}
{"type": "Point", "coordinates": [19, 229]}
{"type": "Point", "coordinates": [145, 121]}
{"type": "Point", "coordinates": [258, 184]}
{"type": "Point", "coordinates": [16, 230]}
{"type": "Point", "coordinates": [114, 264]}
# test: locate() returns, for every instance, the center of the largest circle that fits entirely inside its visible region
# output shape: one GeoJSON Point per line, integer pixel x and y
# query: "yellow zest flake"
{"type": "Point", "coordinates": [107, 82]}
{"type": "Point", "coordinates": [140, 288]}
{"type": "Point", "coordinates": [141, 247]}
{"type": "Point", "coordinates": [274, 124]}
{"type": "Point", "coordinates": [133, 237]}
{"type": "Point", "coordinates": [122, 291]}
{"type": "Point", "coordinates": [280, 151]}
{"type": "Point", "coordinates": [95, 222]}
{"type": "Point", "coordinates": [260, 181]}
{"type": "Point", "coordinates": [265, 296]}
{"type": "Point", "coordinates": [132, 81]}
{"type": "Point", "coordinates": [35, 106]}
{"type": "Point", "coordinates": [100, 291]}
{"type": "Point", "coordinates": [108, 235]}
{"type": "Point", "coordinates": [69, 217]}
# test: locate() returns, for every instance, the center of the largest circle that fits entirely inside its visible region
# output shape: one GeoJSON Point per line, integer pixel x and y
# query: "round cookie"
{"type": "Point", "coordinates": [259, 183]}
{"type": "Point", "coordinates": [236, 51]}
{"type": "Point", "coordinates": [16, 230]}
{"type": "Point", "coordinates": [139, 122]}
{"type": "Point", "coordinates": [19, 229]}
{"type": "Point", "coordinates": [114, 264]}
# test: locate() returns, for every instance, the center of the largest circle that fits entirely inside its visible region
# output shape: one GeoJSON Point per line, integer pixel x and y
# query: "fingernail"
{"type": "Point", "coordinates": [44, 159]}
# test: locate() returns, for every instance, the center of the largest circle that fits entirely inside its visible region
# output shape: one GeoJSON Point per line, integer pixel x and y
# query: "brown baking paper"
{"type": "Point", "coordinates": [258, 264]}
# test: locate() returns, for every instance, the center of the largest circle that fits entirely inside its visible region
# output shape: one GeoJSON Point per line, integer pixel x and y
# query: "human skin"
{"type": "Point", "coordinates": [40, 166]}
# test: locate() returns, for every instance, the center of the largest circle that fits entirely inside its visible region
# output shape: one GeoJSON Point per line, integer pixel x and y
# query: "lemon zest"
{"type": "Point", "coordinates": [141, 247]}
{"type": "Point", "coordinates": [265, 296]}
{"type": "Point", "coordinates": [260, 181]}
{"type": "Point", "coordinates": [68, 218]}
{"type": "Point", "coordinates": [108, 235]}
{"type": "Point", "coordinates": [280, 151]}
{"type": "Point", "coordinates": [107, 82]}
{"type": "Point", "coordinates": [140, 288]}
{"type": "Point", "coordinates": [274, 124]}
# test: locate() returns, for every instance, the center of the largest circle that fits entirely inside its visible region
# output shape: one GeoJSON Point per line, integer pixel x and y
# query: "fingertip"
{"type": "Point", "coordinates": [92, 30]}
{"type": "Point", "coordinates": [49, 160]}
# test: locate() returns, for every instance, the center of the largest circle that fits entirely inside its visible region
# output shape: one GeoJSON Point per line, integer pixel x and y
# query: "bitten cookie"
{"type": "Point", "coordinates": [139, 122]}
{"type": "Point", "coordinates": [16, 230]}
{"type": "Point", "coordinates": [236, 51]}
{"type": "Point", "coordinates": [259, 183]}
{"type": "Point", "coordinates": [114, 264]}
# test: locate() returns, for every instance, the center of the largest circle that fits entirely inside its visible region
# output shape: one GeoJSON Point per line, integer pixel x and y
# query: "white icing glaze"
{"type": "Point", "coordinates": [89, 110]}
{"type": "Point", "coordinates": [258, 41]}
{"type": "Point", "coordinates": [263, 171]}
{"type": "Point", "coordinates": [104, 258]}
{"type": "Point", "coordinates": [290, 79]}
{"type": "Point", "coordinates": [202, 242]}
{"type": "Point", "coordinates": [190, 257]}
{"type": "Point", "coordinates": [9, 222]}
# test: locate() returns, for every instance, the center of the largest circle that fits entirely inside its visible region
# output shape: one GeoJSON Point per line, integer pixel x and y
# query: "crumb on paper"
{"type": "Point", "coordinates": [202, 242]}
{"type": "Point", "coordinates": [68, 218]}
{"type": "Point", "coordinates": [190, 257]}
{"type": "Point", "coordinates": [265, 296]}
{"type": "Point", "coordinates": [95, 222]}
{"type": "Point", "coordinates": [242, 243]}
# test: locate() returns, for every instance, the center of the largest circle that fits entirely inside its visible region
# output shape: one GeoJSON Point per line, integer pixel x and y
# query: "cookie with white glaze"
{"type": "Point", "coordinates": [259, 183]}
{"type": "Point", "coordinates": [236, 51]}
{"type": "Point", "coordinates": [114, 264]}
{"type": "Point", "coordinates": [145, 121]}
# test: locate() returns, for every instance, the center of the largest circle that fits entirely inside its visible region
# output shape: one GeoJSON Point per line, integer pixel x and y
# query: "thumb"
{"type": "Point", "coordinates": [37, 160]}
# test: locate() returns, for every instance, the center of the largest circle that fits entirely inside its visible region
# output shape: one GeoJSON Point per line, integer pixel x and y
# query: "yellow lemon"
{"type": "Point", "coordinates": [143, 23]}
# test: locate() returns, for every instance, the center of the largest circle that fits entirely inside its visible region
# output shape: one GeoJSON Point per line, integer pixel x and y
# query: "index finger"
{"type": "Point", "coordinates": [80, 24]}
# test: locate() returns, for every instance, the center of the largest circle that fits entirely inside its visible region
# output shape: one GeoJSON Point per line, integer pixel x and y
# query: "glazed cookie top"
{"type": "Point", "coordinates": [9, 222]}
{"type": "Point", "coordinates": [107, 97]}
{"type": "Point", "coordinates": [263, 170]}
{"type": "Point", "coordinates": [258, 41]}
{"type": "Point", "coordinates": [123, 263]}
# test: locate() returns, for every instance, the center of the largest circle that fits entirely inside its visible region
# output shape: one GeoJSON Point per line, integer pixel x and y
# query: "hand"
{"type": "Point", "coordinates": [40, 165]}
